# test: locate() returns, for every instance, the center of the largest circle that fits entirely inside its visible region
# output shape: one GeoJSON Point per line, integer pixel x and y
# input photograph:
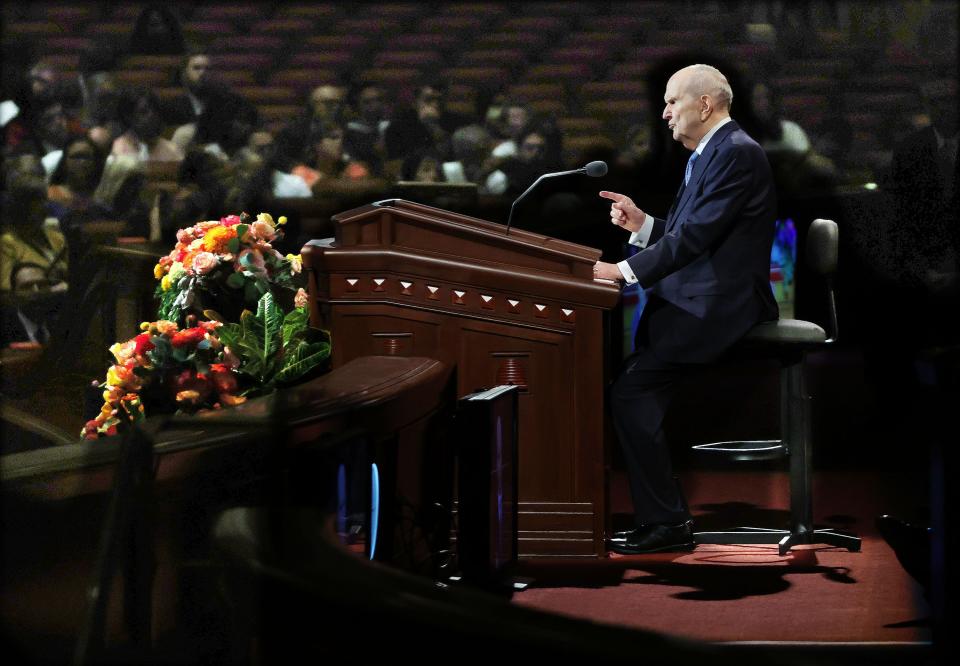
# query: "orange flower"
{"type": "Point", "coordinates": [188, 337]}
{"type": "Point", "coordinates": [217, 239]}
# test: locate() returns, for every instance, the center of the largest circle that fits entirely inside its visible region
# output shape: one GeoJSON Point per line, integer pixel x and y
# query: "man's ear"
{"type": "Point", "coordinates": [706, 106]}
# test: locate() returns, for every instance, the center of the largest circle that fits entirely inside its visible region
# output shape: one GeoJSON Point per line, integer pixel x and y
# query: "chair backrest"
{"type": "Point", "coordinates": [822, 241]}
{"type": "Point", "coordinates": [822, 244]}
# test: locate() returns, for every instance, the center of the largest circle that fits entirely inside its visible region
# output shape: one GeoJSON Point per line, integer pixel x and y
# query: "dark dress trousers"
{"type": "Point", "coordinates": [706, 272]}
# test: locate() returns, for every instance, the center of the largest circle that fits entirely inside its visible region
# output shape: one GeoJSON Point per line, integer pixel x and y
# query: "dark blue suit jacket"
{"type": "Point", "coordinates": [711, 256]}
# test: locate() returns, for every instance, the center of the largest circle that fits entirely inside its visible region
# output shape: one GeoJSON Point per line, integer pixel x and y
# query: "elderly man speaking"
{"type": "Point", "coordinates": [705, 270]}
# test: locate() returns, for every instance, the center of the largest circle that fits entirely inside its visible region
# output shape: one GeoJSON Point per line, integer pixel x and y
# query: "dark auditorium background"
{"type": "Point", "coordinates": [850, 98]}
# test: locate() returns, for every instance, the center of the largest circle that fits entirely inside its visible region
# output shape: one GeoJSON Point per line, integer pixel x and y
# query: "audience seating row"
{"type": "Point", "coordinates": [569, 59]}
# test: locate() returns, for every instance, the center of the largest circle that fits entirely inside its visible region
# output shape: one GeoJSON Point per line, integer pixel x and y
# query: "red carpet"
{"type": "Point", "coordinates": [750, 593]}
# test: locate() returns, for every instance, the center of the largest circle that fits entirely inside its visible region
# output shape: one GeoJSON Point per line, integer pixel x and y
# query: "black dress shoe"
{"type": "Point", "coordinates": [655, 539]}
{"type": "Point", "coordinates": [624, 534]}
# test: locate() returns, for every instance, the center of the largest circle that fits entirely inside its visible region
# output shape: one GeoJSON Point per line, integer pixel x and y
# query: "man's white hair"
{"type": "Point", "coordinates": [708, 80]}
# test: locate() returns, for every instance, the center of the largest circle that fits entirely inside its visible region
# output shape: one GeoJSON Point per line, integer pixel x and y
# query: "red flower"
{"type": "Point", "coordinates": [189, 336]}
{"type": "Point", "coordinates": [190, 387]}
{"type": "Point", "coordinates": [143, 344]}
{"type": "Point", "coordinates": [230, 220]}
{"type": "Point", "coordinates": [223, 378]}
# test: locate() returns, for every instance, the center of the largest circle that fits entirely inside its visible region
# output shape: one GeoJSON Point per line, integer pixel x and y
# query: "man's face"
{"type": "Point", "coordinates": [516, 119]}
{"type": "Point", "coordinates": [146, 121]}
{"type": "Point", "coordinates": [80, 163]}
{"type": "Point", "coordinates": [196, 71]}
{"type": "Point", "coordinates": [53, 125]}
{"type": "Point", "coordinates": [327, 101]}
{"type": "Point", "coordinates": [532, 148]}
{"type": "Point", "coordinates": [371, 104]}
{"type": "Point", "coordinates": [682, 112]}
{"type": "Point", "coordinates": [41, 79]}
{"type": "Point", "coordinates": [428, 103]}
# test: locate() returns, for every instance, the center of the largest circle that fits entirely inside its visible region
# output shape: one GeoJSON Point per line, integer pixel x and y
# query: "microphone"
{"type": "Point", "coordinates": [593, 169]}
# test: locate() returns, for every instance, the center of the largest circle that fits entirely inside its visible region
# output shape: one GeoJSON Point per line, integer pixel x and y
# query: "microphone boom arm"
{"type": "Point", "coordinates": [593, 169]}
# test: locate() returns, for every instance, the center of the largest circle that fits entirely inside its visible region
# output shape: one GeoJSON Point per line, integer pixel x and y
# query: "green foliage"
{"type": "Point", "coordinates": [274, 348]}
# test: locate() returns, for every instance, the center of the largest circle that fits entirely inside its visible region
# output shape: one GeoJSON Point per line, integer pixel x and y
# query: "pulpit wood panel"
{"type": "Point", "coordinates": [402, 278]}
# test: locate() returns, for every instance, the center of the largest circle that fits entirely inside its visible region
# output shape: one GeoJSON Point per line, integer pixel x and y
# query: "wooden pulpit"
{"type": "Point", "coordinates": [402, 278]}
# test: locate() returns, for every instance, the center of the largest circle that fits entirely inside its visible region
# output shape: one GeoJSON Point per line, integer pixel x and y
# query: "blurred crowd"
{"type": "Point", "coordinates": [77, 150]}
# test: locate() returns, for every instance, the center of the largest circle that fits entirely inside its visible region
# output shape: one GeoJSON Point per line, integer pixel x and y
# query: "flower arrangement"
{"type": "Point", "coordinates": [193, 357]}
{"type": "Point", "coordinates": [170, 368]}
{"type": "Point", "coordinates": [230, 263]}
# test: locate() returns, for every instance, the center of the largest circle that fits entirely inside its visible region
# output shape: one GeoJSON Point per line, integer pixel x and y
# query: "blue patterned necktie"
{"type": "Point", "coordinates": [693, 158]}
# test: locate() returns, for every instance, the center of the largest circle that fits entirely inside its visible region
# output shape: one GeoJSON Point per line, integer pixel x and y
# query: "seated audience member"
{"type": "Point", "coordinates": [32, 92]}
{"type": "Point", "coordinates": [195, 78]}
{"type": "Point", "coordinates": [100, 117]}
{"type": "Point", "coordinates": [364, 136]}
{"type": "Point", "coordinates": [139, 112]}
{"type": "Point", "coordinates": [422, 167]}
{"type": "Point", "coordinates": [226, 125]}
{"type": "Point", "coordinates": [21, 165]}
{"type": "Point", "coordinates": [277, 159]}
{"type": "Point", "coordinates": [325, 105]}
{"type": "Point", "coordinates": [325, 158]}
{"type": "Point", "coordinates": [426, 125]}
{"type": "Point", "coordinates": [798, 169]}
{"type": "Point", "coordinates": [470, 147]}
{"type": "Point", "coordinates": [514, 119]}
{"type": "Point", "coordinates": [75, 180]}
{"type": "Point", "coordinates": [98, 58]}
{"type": "Point", "coordinates": [328, 104]}
{"type": "Point", "coordinates": [157, 31]}
{"type": "Point", "coordinates": [516, 174]}
{"type": "Point", "coordinates": [33, 262]}
{"type": "Point", "coordinates": [51, 134]}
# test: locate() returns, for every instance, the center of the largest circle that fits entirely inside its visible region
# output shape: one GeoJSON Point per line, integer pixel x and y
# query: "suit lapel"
{"type": "Point", "coordinates": [685, 194]}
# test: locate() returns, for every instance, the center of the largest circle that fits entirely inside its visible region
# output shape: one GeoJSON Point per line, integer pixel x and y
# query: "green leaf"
{"type": "Point", "coordinates": [250, 292]}
{"type": "Point", "coordinates": [235, 280]}
{"type": "Point", "coordinates": [305, 358]}
{"type": "Point", "coordinates": [271, 318]}
{"type": "Point", "coordinates": [229, 334]}
{"type": "Point", "coordinates": [233, 246]}
{"type": "Point", "coordinates": [241, 230]}
{"type": "Point", "coordinates": [213, 315]}
{"type": "Point", "coordinates": [294, 325]}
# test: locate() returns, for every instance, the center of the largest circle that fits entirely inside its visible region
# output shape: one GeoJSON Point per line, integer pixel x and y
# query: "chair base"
{"type": "Point", "coordinates": [785, 539]}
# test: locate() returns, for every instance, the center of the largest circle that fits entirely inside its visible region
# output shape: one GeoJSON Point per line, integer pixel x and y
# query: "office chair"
{"type": "Point", "coordinates": [789, 341]}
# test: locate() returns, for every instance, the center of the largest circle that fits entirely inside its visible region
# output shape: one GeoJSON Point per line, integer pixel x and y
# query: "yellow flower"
{"type": "Point", "coordinates": [165, 282]}
{"type": "Point", "coordinates": [217, 239]}
{"type": "Point", "coordinates": [282, 219]}
{"type": "Point", "coordinates": [158, 271]}
{"type": "Point", "coordinates": [266, 217]}
{"type": "Point", "coordinates": [296, 263]}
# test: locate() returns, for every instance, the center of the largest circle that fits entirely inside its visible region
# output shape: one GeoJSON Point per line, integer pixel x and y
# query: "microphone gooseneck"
{"type": "Point", "coordinates": [593, 169]}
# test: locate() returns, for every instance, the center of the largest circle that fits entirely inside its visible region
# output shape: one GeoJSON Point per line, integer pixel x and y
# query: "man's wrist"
{"type": "Point", "coordinates": [627, 272]}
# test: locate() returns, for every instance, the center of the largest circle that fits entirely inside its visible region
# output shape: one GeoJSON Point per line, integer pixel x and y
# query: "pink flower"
{"type": "Point", "coordinates": [250, 260]}
{"type": "Point", "coordinates": [301, 299]}
{"type": "Point", "coordinates": [230, 220]}
{"type": "Point", "coordinates": [184, 236]}
{"type": "Point", "coordinates": [205, 262]}
{"type": "Point", "coordinates": [263, 231]}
